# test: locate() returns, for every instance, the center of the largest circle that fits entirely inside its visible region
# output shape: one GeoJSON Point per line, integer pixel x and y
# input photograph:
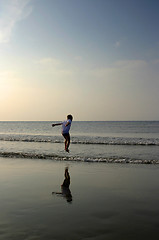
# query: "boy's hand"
{"type": "Point", "coordinates": [53, 125]}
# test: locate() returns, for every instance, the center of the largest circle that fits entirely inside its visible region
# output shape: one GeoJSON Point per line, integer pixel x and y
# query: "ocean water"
{"type": "Point", "coordinates": [110, 201]}
{"type": "Point", "coordinates": [91, 141]}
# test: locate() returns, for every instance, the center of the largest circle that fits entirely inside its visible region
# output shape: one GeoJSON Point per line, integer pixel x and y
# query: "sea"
{"type": "Point", "coordinates": [135, 142]}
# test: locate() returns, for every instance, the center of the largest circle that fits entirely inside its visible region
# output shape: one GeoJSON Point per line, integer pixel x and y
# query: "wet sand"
{"type": "Point", "coordinates": [109, 201]}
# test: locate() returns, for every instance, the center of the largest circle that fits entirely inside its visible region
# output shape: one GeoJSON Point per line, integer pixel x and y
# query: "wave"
{"type": "Point", "coordinates": [75, 158]}
{"type": "Point", "coordinates": [119, 143]}
{"type": "Point", "coordinates": [82, 140]}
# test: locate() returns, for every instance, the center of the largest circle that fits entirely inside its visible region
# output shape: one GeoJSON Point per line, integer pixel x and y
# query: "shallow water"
{"type": "Point", "coordinates": [126, 142]}
{"type": "Point", "coordinates": [110, 201]}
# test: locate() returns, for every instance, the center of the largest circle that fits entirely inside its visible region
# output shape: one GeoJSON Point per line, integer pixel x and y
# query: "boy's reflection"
{"type": "Point", "coordinates": [65, 191]}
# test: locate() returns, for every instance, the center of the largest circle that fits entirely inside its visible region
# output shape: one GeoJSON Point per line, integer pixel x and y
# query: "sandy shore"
{"type": "Point", "coordinates": [109, 201]}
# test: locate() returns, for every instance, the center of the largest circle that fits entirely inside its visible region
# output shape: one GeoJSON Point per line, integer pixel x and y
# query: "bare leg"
{"type": "Point", "coordinates": [67, 142]}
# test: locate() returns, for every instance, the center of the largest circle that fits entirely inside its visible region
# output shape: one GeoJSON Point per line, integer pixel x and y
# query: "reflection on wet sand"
{"type": "Point", "coordinates": [65, 191]}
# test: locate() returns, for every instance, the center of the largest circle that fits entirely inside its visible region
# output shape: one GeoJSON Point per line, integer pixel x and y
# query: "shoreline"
{"type": "Point", "coordinates": [64, 158]}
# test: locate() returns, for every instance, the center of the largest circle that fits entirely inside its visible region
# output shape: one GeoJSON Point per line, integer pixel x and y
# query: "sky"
{"type": "Point", "coordinates": [95, 59]}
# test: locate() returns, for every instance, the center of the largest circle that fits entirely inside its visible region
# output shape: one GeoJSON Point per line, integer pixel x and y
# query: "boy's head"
{"type": "Point", "coordinates": [70, 117]}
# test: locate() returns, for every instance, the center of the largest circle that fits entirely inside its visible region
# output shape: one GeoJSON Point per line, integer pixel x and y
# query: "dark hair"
{"type": "Point", "coordinates": [70, 117]}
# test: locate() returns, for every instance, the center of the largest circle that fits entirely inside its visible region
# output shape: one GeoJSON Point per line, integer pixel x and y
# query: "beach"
{"type": "Point", "coordinates": [109, 201]}
{"type": "Point", "coordinates": [79, 120]}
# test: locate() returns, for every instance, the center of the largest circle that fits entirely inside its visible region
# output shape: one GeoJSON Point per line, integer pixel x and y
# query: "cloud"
{"type": "Point", "coordinates": [48, 62]}
{"type": "Point", "coordinates": [132, 76]}
{"type": "Point", "coordinates": [6, 74]}
{"type": "Point", "coordinates": [120, 69]}
{"type": "Point", "coordinates": [13, 12]}
{"type": "Point", "coordinates": [78, 58]}
{"type": "Point", "coordinates": [54, 68]}
{"type": "Point", "coordinates": [117, 44]}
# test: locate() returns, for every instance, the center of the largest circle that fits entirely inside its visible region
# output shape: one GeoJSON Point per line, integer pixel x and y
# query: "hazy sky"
{"type": "Point", "coordinates": [96, 59]}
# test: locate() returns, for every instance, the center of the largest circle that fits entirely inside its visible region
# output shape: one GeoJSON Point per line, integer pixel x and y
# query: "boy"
{"type": "Point", "coordinates": [65, 130]}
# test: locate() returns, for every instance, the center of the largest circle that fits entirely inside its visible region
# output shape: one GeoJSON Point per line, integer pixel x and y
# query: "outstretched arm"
{"type": "Point", "coordinates": [56, 124]}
